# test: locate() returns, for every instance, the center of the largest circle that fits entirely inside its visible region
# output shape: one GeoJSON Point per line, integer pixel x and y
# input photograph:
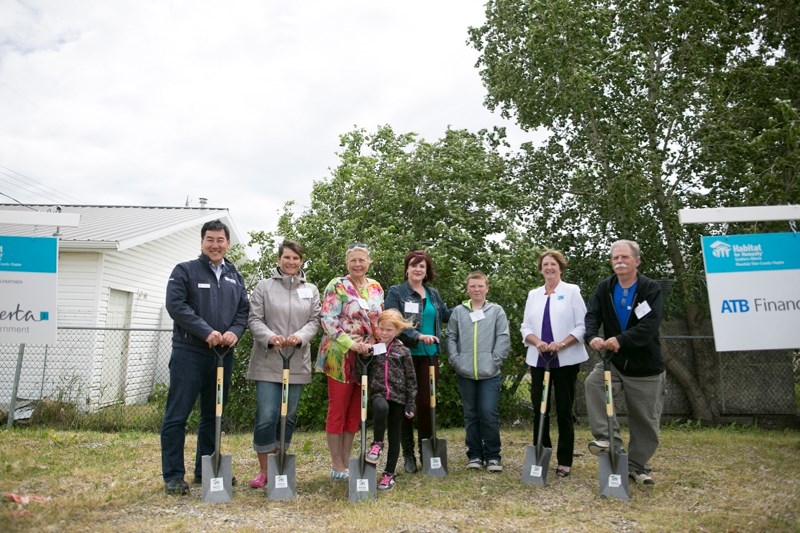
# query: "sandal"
{"type": "Point", "coordinates": [563, 471]}
{"type": "Point", "coordinates": [340, 475]}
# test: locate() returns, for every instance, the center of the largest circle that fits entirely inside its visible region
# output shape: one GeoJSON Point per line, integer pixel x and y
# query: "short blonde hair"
{"type": "Point", "coordinates": [477, 274]}
{"type": "Point", "coordinates": [356, 248]}
{"type": "Point", "coordinates": [394, 317]}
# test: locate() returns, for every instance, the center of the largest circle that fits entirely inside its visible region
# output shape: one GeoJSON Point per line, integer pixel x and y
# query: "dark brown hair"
{"type": "Point", "coordinates": [296, 247]}
{"type": "Point", "coordinates": [416, 257]}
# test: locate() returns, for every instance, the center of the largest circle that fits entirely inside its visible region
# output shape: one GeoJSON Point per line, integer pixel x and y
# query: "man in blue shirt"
{"type": "Point", "coordinates": [629, 307]}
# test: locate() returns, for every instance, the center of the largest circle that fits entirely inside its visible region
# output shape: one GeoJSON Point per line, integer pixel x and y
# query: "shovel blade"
{"type": "Point", "coordinates": [217, 484]}
{"type": "Point", "coordinates": [434, 457]}
{"type": "Point", "coordinates": [281, 485]}
{"type": "Point", "coordinates": [362, 485]}
{"type": "Point", "coordinates": [614, 484]}
{"type": "Point", "coordinates": [534, 471]}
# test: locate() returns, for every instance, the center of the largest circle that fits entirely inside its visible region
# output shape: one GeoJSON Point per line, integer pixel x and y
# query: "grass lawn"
{"type": "Point", "coordinates": [728, 479]}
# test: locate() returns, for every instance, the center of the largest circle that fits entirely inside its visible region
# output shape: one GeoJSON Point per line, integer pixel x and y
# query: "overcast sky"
{"type": "Point", "coordinates": [146, 102]}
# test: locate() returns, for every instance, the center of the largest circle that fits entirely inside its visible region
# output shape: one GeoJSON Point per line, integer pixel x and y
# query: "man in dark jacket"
{"type": "Point", "coordinates": [629, 307]}
{"type": "Point", "coordinates": [207, 301]}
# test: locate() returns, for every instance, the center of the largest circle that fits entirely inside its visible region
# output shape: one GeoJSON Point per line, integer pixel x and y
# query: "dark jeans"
{"type": "Point", "coordinates": [562, 380]}
{"type": "Point", "coordinates": [386, 414]}
{"type": "Point", "coordinates": [191, 374]}
{"type": "Point", "coordinates": [480, 398]}
{"type": "Point", "coordinates": [423, 414]}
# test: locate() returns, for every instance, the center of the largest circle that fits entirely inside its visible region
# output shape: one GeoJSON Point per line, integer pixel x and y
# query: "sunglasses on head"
{"type": "Point", "coordinates": [358, 245]}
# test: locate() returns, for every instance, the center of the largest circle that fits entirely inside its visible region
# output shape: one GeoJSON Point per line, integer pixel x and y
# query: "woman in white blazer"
{"type": "Point", "coordinates": [551, 329]}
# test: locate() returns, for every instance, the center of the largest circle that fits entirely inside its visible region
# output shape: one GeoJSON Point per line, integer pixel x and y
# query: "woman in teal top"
{"type": "Point", "coordinates": [421, 304]}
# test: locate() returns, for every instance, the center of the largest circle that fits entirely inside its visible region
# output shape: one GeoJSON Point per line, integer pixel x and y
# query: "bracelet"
{"type": "Point", "coordinates": [561, 346]}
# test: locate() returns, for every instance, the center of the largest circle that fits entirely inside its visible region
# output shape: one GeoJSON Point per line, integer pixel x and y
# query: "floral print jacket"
{"type": "Point", "coordinates": [348, 316]}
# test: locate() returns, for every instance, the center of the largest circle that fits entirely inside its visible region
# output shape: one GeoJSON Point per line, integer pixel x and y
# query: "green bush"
{"type": "Point", "coordinates": [313, 406]}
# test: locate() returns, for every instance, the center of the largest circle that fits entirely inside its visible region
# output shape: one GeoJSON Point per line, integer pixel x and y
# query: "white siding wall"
{"type": "Point", "coordinates": [143, 271]}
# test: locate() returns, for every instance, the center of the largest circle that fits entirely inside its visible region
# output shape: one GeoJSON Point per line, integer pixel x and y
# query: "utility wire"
{"type": "Point", "coordinates": [20, 203]}
{"type": "Point", "coordinates": [26, 192]}
{"type": "Point", "coordinates": [41, 186]}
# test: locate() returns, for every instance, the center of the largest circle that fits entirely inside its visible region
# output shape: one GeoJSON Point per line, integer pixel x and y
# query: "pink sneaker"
{"type": "Point", "coordinates": [374, 453]}
{"type": "Point", "coordinates": [259, 481]}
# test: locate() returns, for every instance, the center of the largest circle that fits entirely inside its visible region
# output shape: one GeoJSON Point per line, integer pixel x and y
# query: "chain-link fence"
{"type": "Point", "coordinates": [755, 385]}
{"type": "Point", "coordinates": [117, 371]}
{"type": "Point", "coordinates": [88, 368]}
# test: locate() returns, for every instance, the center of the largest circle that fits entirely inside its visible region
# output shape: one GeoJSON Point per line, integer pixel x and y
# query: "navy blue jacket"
{"type": "Point", "coordinates": [640, 345]}
{"type": "Point", "coordinates": [397, 297]}
{"type": "Point", "coordinates": [199, 304]}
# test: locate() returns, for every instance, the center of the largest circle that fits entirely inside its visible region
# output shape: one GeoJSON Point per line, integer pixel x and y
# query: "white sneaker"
{"type": "Point", "coordinates": [598, 447]}
{"type": "Point", "coordinates": [494, 465]}
{"type": "Point", "coordinates": [474, 464]}
{"type": "Point", "coordinates": [641, 478]}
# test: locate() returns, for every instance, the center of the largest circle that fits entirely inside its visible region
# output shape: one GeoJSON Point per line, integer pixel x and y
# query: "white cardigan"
{"type": "Point", "coordinates": [567, 314]}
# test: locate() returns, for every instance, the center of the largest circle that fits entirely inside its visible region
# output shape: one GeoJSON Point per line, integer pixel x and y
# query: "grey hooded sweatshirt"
{"type": "Point", "coordinates": [476, 350]}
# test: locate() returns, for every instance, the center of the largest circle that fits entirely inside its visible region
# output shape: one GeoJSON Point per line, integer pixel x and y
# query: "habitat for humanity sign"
{"type": "Point", "coordinates": [754, 290]}
{"type": "Point", "coordinates": [28, 290]}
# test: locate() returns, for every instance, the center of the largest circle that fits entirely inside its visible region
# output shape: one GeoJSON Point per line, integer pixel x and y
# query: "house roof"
{"type": "Point", "coordinates": [117, 227]}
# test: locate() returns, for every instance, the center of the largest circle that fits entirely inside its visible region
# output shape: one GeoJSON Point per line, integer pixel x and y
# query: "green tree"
{"type": "Point", "coordinates": [631, 97]}
{"type": "Point", "coordinates": [396, 193]}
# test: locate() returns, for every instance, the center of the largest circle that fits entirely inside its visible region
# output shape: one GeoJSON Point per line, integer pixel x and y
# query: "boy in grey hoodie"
{"type": "Point", "coordinates": [477, 343]}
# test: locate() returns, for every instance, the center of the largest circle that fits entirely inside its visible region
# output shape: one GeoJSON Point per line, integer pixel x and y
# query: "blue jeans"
{"type": "Point", "coordinates": [191, 374]}
{"type": "Point", "coordinates": [267, 429]}
{"type": "Point", "coordinates": [480, 398]}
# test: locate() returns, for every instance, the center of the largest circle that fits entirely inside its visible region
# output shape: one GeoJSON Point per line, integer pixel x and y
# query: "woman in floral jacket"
{"type": "Point", "coordinates": [350, 309]}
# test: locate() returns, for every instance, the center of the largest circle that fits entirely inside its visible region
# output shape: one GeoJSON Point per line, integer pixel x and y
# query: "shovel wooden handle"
{"type": "Point", "coordinates": [545, 390]}
{"type": "Point", "coordinates": [609, 394]}
{"type": "Point", "coordinates": [432, 382]}
{"type": "Point", "coordinates": [285, 393]}
{"type": "Point", "coordinates": [363, 397]}
{"type": "Point", "coordinates": [220, 373]}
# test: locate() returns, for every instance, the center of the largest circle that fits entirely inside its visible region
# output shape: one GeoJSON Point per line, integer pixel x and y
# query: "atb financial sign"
{"type": "Point", "coordinates": [28, 290]}
{"type": "Point", "coordinates": [754, 290]}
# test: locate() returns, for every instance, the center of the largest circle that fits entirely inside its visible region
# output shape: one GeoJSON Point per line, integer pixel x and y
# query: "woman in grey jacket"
{"type": "Point", "coordinates": [477, 343]}
{"type": "Point", "coordinates": [284, 315]}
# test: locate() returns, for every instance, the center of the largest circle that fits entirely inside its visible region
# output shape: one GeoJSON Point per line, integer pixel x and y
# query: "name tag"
{"type": "Point", "coordinates": [362, 303]}
{"type": "Point", "coordinates": [304, 292]}
{"type": "Point", "coordinates": [560, 297]}
{"type": "Point", "coordinates": [477, 315]}
{"type": "Point", "coordinates": [411, 308]}
{"type": "Point", "coordinates": [642, 309]}
{"type": "Point", "coordinates": [378, 349]}
{"type": "Point", "coordinates": [203, 285]}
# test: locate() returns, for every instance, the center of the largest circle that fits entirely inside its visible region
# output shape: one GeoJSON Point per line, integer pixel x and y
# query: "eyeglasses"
{"type": "Point", "coordinates": [358, 245]}
{"type": "Point", "coordinates": [624, 296]}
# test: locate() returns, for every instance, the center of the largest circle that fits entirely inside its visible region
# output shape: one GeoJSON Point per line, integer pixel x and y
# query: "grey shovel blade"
{"type": "Point", "coordinates": [614, 484]}
{"type": "Point", "coordinates": [434, 458]}
{"type": "Point", "coordinates": [534, 470]}
{"type": "Point", "coordinates": [363, 485]}
{"type": "Point", "coordinates": [281, 486]}
{"type": "Point", "coordinates": [217, 486]}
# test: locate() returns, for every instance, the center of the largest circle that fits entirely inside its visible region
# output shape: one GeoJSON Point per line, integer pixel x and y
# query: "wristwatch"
{"type": "Point", "coordinates": [561, 346]}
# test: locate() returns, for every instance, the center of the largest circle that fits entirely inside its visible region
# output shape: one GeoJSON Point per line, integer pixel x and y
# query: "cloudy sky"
{"type": "Point", "coordinates": [145, 102]}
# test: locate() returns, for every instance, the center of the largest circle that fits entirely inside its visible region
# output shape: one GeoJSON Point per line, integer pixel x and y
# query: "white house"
{"type": "Point", "coordinates": [112, 273]}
